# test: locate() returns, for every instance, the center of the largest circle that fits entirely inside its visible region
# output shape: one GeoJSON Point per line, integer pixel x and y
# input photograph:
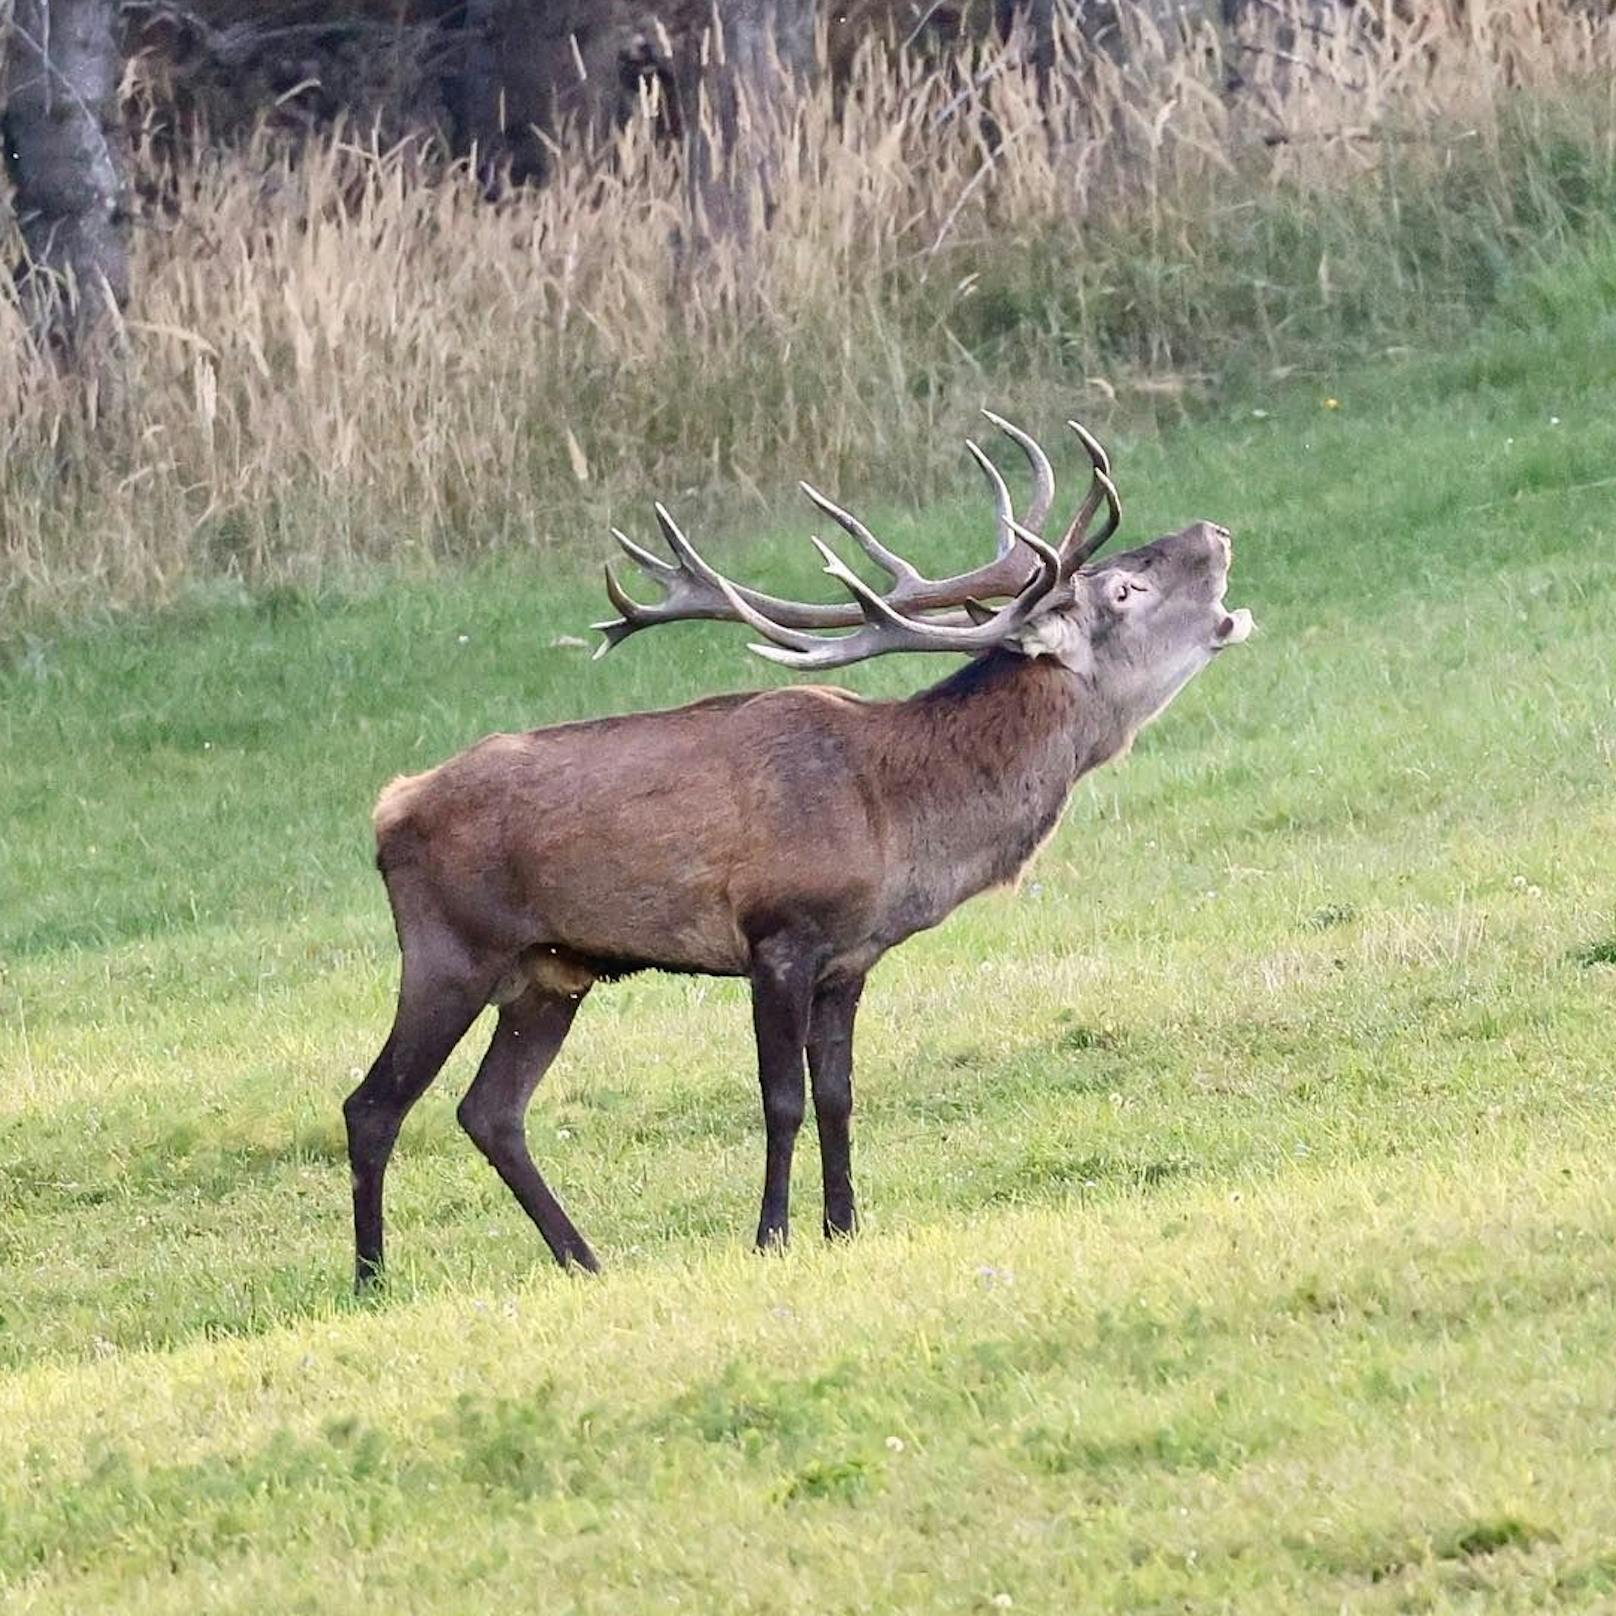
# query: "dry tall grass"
{"type": "Point", "coordinates": [343, 354]}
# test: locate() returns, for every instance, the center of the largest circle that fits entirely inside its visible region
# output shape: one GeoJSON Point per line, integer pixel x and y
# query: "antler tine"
{"type": "Point", "coordinates": [1096, 449]}
{"type": "Point", "coordinates": [875, 607]}
{"type": "Point", "coordinates": [1075, 548]}
{"type": "Point", "coordinates": [1004, 512]}
{"type": "Point", "coordinates": [618, 629]}
{"type": "Point", "coordinates": [690, 591]}
{"type": "Point", "coordinates": [1043, 474]}
{"type": "Point", "coordinates": [681, 546]}
{"type": "Point", "coordinates": [652, 565]}
{"type": "Point", "coordinates": [635, 616]}
{"type": "Point", "coordinates": [1048, 574]}
{"type": "Point", "coordinates": [889, 561]}
{"type": "Point", "coordinates": [1084, 548]}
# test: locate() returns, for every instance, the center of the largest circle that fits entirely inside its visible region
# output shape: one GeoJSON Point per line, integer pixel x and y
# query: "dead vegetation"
{"type": "Point", "coordinates": [341, 353]}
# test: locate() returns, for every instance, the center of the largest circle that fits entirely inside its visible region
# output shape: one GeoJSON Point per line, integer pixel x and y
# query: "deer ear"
{"type": "Point", "coordinates": [1057, 635]}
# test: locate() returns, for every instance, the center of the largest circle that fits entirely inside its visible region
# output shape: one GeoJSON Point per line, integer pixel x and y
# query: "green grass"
{"type": "Point", "coordinates": [1240, 1213]}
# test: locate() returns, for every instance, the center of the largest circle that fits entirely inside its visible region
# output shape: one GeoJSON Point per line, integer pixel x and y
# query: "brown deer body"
{"type": "Point", "coordinates": [791, 836]}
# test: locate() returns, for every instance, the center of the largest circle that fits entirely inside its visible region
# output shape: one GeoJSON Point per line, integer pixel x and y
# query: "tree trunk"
{"type": "Point", "coordinates": [64, 152]}
{"type": "Point", "coordinates": [480, 99]}
{"type": "Point", "coordinates": [759, 57]}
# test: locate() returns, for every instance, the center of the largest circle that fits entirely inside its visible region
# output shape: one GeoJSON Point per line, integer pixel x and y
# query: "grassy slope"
{"type": "Point", "coordinates": [1240, 1211]}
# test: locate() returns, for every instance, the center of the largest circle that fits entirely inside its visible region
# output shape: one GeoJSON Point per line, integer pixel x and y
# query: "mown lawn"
{"type": "Point", "coordinates": [1239, 1195]}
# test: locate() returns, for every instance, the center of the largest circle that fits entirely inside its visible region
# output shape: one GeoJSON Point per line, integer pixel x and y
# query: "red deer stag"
{"type": "Point", "coordinates": [789, 836]}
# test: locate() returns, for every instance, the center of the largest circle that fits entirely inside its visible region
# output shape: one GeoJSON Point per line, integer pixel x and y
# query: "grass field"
{"type": "Point", "coordinates": [1240, 1210]}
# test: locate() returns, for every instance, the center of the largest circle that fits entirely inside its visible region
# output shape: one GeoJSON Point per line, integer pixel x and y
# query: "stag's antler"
{"type": "Point", "coordinates": [883, 628]}
{"type": "Point", "coordinates": [889, 622]}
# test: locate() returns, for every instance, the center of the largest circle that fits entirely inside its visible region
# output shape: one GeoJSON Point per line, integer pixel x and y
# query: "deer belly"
{"type": "Point", "coordinates": [674, 925]}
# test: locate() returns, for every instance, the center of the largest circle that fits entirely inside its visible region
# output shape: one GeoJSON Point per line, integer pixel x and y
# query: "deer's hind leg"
{"type": "Point", "coordinates": [441, 992]}
{"type": "Point", "coordinates": [532, 1027]}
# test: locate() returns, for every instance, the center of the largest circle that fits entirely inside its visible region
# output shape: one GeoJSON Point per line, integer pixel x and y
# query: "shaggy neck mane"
{"type": "Point", "coordinates": [975, 770]}
{"type": "Point", "coordinates": [999, 706]}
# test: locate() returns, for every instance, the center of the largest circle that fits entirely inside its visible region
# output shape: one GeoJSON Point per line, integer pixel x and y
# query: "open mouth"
{"type": "Point", "coordinates": [1232, 628]}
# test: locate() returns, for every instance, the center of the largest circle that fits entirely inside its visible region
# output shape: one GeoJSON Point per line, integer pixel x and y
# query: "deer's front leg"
{"type": "Point", "coordinates": [830, 1065]}
{"type": "Point", "coordinates": [782, 994]}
